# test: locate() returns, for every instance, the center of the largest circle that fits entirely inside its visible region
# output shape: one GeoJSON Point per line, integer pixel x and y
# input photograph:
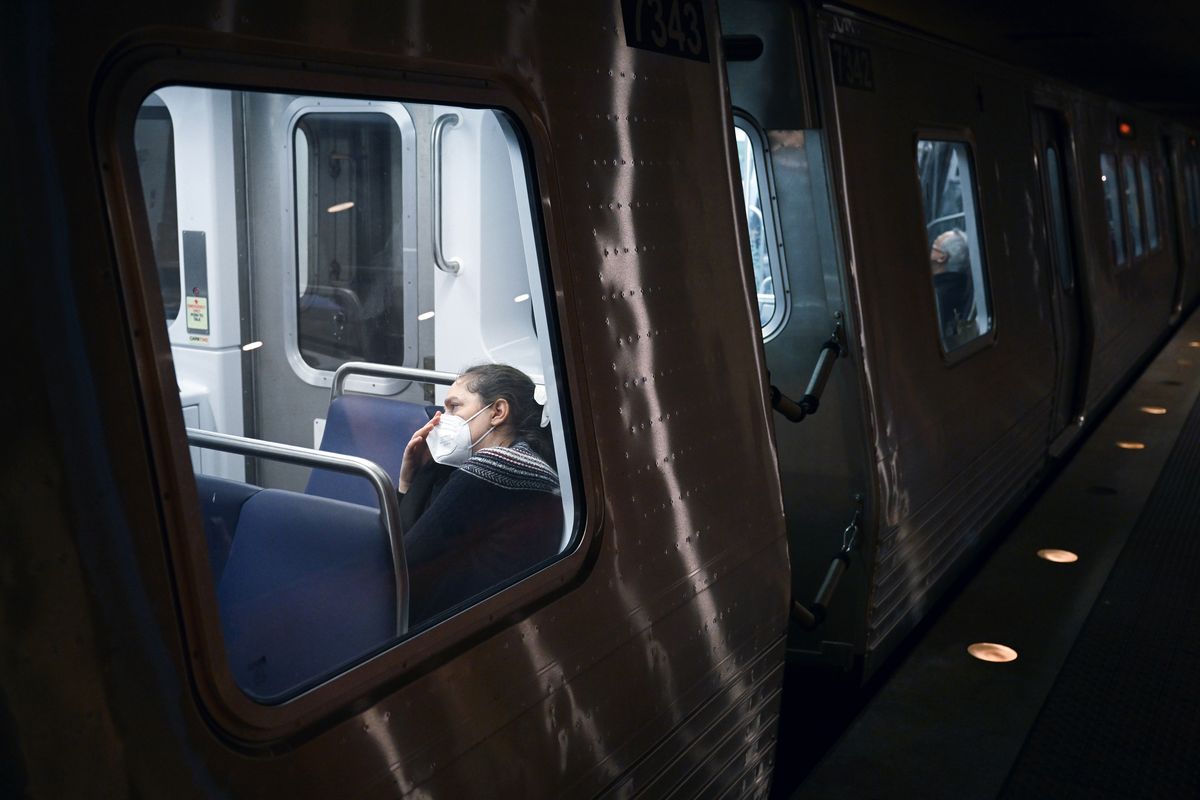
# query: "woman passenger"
{"type": "Point", "coordinates": [479, 499]}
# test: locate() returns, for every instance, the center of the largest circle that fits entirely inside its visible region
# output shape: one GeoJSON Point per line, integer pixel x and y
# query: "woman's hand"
{"type": "Point", "coordinates": [416, 454]}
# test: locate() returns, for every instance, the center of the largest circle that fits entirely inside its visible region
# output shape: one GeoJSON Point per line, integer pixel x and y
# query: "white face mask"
{"type": "Point", "coordinates": [450, 440]}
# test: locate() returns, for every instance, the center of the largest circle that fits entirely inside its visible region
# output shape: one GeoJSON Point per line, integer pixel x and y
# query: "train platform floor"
{"type": "Point", "coordinates": [1102, 699]}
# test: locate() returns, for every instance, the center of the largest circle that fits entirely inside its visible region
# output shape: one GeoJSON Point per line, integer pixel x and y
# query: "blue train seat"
{"type": "Point", "coordinates": [371, 427]}
{"type": "Point", "coordinates": [221, 504]}
{"type": "Point", "coordinates": [308, 587]}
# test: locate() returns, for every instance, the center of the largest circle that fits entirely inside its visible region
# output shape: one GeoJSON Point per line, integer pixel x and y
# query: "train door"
{"type": "Point", "coordinates": [331, 252]}
{"type": "Point", "coordinates": [1054, 157]}
{"type": "Point", "coordinates": [783, 156]}
{"type": "Point", "coordinates": [1182, 213]}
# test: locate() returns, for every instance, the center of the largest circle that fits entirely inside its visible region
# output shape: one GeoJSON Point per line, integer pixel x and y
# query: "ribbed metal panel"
{"type": "Point", "coordinates": [917, 558]}
{"type": "Point", "coordinates": [728, 740]}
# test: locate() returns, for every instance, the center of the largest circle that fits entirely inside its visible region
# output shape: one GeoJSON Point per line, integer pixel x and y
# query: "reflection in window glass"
{"type": "Point", "coordinates": [1129, 189]}
{"type": "Point", "coordinates": [1149, 202]}
{"type": "Point", "coordinates": [1058, 218]}
{"type": "Point", "coordinates": [154, 138]}
{"type": "Point", "coordinates": [1112, 206]}
{"type": "Point", "coordinates": [307, 573]}
{"type": "Point", "coordinates": [763, 253]}
{"type": "Point", "coordinates": [350, 281]}
{"type": "Point", "coordinates": [952, 233]}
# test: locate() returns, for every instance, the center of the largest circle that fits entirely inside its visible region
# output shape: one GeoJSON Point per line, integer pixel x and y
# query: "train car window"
{"type": "Point", "coordinates": [1112, 206]}
{"type": "Point", "coordinates": [765, 251]}
{"type": "Point", "coordinates": [952, 233]}
{"type": "Point", "coordinates": [154, 138]}
{"type": "Point", "coordinates": [320, 561]}
{"type": "Point", "coordinates": [1149, 202]}
{"type": "Point", "coordinates": [1129, 184]}
{"type": "Point", "coordinates": [349, 238]}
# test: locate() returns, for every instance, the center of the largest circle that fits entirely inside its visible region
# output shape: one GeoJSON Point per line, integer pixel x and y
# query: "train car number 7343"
{"type": "Point", "coordinates": [671, 27]}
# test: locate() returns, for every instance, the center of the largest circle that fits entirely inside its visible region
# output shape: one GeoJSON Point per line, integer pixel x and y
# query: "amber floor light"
{"type": "Point", "coordinates": [1057, 556]}
{"type": "Point", "coordinates": [1131, 445]}
{"type": "Point", "coordinates": [1157, 411]}
{"type": "Point", "coordinates": [990, 651]}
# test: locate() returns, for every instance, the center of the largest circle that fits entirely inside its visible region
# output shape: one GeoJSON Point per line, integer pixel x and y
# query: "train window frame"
{"type": "Point", "coordinates": [772, 237]}
{"type": "Point", "coordinates": [289, 184]}
{"type": "Point", "coordinates": [1111, 197]}
{"type": "Point", "coordinates": [974, 209]}
{"type": "Point", "coordinates": [130, 77]}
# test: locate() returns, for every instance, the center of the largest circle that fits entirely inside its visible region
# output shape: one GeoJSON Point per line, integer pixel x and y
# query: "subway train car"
{"type": "Point", "coordinates": [889, 156]}
{"type": "Point", "coordinates": [259, 241]}
{"type": "Point", "coordinates": [260, 247]}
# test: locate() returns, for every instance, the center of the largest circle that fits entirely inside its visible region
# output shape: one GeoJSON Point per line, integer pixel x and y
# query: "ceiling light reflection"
{"type": "Point", "coordinates": [424, 316]}
{"type": "Point", "coordinates": [346, 206]}
{"type": "Point", "coordinates": [246, 348]}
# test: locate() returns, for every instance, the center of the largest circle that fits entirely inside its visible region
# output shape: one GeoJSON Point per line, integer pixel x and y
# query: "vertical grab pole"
{"type": "Point", "coordinates": [435, 172]}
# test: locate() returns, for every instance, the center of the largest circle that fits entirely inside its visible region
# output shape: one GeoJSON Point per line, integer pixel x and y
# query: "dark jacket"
{"type": "Point", "coordinates": [481, 526]}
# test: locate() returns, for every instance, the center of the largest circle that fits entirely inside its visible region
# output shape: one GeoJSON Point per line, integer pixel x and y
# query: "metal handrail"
{"type": "Point", "coordinates": [796, 411]}
{"type": "Point", "coordinates": [368, 369]}
{"type": "Point", "coordinates": [389, 503]}
{"type": "Point", "coordinates": [813, 614]}
{"type": "Point", "coordinates": [435, 171]}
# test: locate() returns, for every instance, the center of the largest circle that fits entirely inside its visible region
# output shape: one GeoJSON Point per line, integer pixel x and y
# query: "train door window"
{"type": "Point", "coordinates": [1193, 178]}
{"type": "Point", "coordinates": [311, 580]}
{"type": "Point", "coordinates": [1058, 218]}
{"type": "Point", "coordinates": [1189, 197]}
{"type": "Point", "coordinates": [765, 252]}
{"type": "Point", "coordinates": [1129, 184]}
{"type": "Point", "coordinates": [1112, 207]}
{"type": "Point", "coordinates": [1149, 202]}
{"type": "Point", "coordinates": [350, 238]}
{"type": "Point", "coordinates": [953, 238]}
{"type": "Point", "coordinates": [154, 138]}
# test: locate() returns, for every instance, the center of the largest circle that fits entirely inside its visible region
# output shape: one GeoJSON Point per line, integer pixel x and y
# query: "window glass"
{"type": "Point", "coordinates": [1129, 189]}
{"type": "Point", "coordinates": [1058, 219]}
{"type": "Point", "coordinates": [1112, 206]}
{"type": "Point", "coordinates": [1149, 202]}
{"type": "Point", "coordinates": [153, 137]}
{"type": "Point", "coordinates": [1189, 195]}
{"type": "Point", "coordinates": [952, 232]}
{"type": "Point", "coordinates": [1194, 189]}
{"type": "Point", "coordinates": [315, 574]}
{"type": "Point", "coordinates": [349, 239]}
{"type": "Point", "coordinates": [764, 253]}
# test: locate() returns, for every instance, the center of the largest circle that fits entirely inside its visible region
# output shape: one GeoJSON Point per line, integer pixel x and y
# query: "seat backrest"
{"type": "Point", "coordinates": [371, 427]}
{"type": "Point", "coordinates": [308, 588]}
{"type": "Point", "coordinates": [221, 502]}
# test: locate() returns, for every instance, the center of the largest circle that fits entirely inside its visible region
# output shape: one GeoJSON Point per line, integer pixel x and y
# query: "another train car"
{"type": "Point", "coordinates": [994, 253]}
{"type": "Point", "coordinates": [259, 246]}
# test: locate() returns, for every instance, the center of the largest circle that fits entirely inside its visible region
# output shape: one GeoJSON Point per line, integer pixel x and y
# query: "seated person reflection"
{"type": "Point", "coordinates": [950, 263]}
{"type": "Point", "coordinates": [479, 497]}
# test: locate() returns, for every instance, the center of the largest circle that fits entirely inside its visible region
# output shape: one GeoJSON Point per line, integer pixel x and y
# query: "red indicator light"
{"type": "Point", "coordinates": [1125, 129]}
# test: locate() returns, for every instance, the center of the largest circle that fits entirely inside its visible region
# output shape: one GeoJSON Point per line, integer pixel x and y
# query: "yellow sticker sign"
{"type": "Point", "coordinates": [197, 314]}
